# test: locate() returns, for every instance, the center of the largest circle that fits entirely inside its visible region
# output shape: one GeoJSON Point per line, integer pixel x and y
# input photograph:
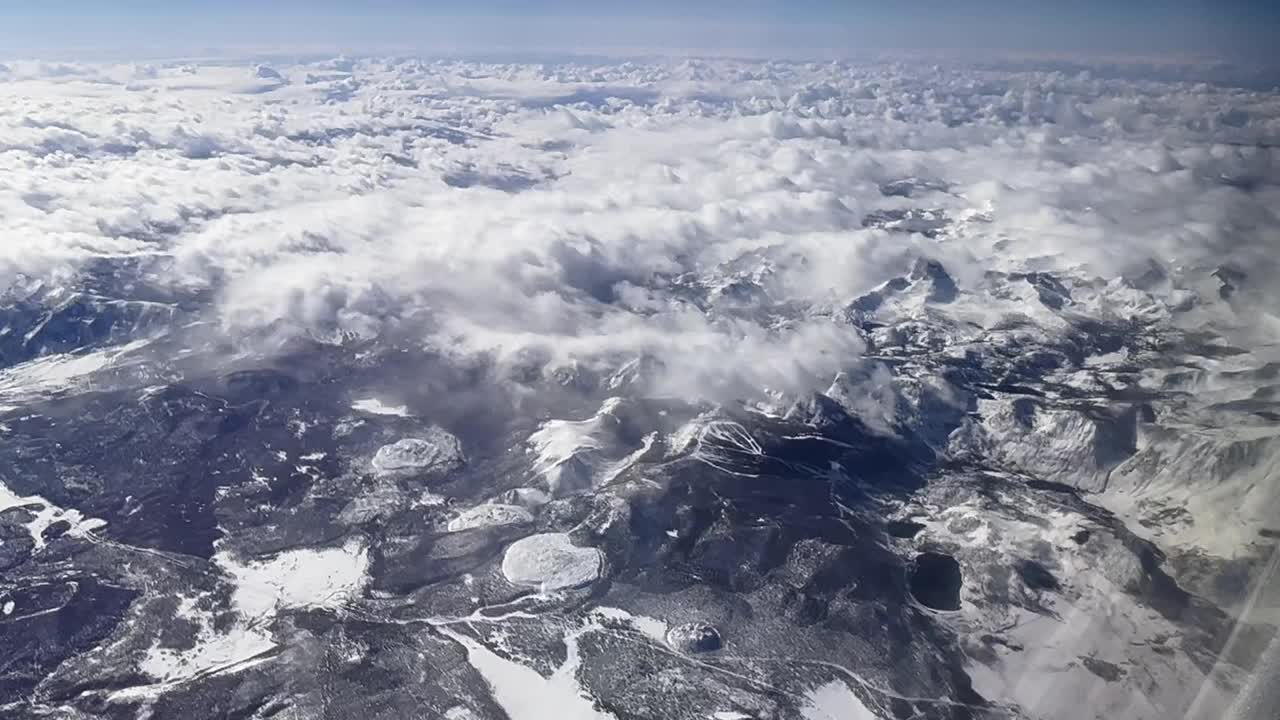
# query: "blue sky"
{"type": "Point", "coordinates": [793, 27]}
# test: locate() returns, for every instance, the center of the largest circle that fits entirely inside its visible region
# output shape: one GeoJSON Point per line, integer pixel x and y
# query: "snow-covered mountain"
{"type": "Point", "coordinates": [710, 389]}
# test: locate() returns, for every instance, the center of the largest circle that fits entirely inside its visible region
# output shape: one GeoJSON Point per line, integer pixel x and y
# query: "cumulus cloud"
{"type": "Point", "coordinates": [714, 217]}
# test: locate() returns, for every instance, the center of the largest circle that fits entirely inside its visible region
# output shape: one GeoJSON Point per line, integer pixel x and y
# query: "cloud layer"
{"type": "Point", "coordinates": [716, 218]}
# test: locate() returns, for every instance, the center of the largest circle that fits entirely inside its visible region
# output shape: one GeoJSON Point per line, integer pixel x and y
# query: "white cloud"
{"type": "Point", "coordinates": [708, 214]}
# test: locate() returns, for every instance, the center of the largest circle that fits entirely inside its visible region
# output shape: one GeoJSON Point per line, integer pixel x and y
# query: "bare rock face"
{"type": "Point", "coordinates": [550, 562]}
{"type": "Point", "coordinates": [489, 515]}
{"type": "Point", "coordinates": [436, 451]}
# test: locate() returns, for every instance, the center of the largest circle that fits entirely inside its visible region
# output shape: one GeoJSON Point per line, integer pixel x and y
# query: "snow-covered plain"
{"type": "Point", "coordinates": [435, 452]}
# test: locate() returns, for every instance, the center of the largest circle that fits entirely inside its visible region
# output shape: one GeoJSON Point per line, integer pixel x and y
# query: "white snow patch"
{"type": "Point", "coordinates": [525, 694]}
{"type": "Point", "coordinates": [325, 578]}
{"type": "Point", "coordinates": [213, 650]}
{"type": "Point", "coordinates": [577, 455]}
{"type": "Point", "coordinates": [550, 562]}
{"type": "Point", "coordinates": [374, 406]}
{"type": "Point", "coordinates": [686, 435]}
{"type": "Point", "coordinates": [653, 628]}
{"type": "Point", "coordinates": [428, 499]}
{"type": "Point", "coordinates": [529, 497]}
{"type": "Point", "coordinates": [730, 715]}
{"type": "Point", "coordinates": [307, 577]}
{"type": "Point", "coordinates": [46, 514]}
{"type": "Point", "coordinates": [835, 701]}
{"type": "Point", "coordinates": [724, 443]}
{"type": "Point", "coordinates": [8, 607]}
{"type": "Point", "coordinates": [57, 373]}
{"type": "Point", "coordinates": [557, 441]}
